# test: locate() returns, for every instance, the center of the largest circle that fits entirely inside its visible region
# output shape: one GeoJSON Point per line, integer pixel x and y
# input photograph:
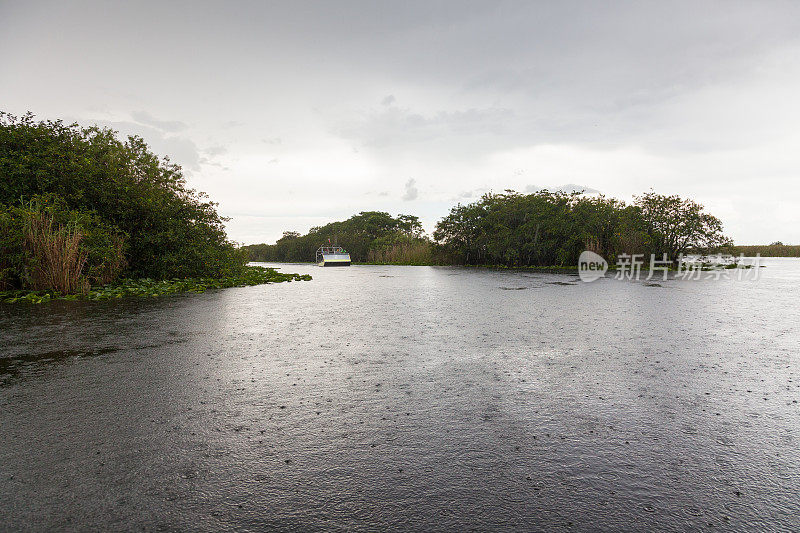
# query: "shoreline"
{"type": "Point", "coordinates": [549, 268]}
{"type": "Point", "coordinates": [145, 287]}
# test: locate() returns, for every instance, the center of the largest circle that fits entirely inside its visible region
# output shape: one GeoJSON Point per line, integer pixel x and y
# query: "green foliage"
{"type": "Point", "coordinates": [360, 235]}
{"type": "Point", "coordinates": [249, 275]}
{"type": "Point", "coordinates": [12, 251]}
{"type": "Point", "coordinates": [677, 225]}
{"type": "Point", "coordinates": [45, 245]}
{"type": "Point", "coordinates": [553, 228]}
{"type": "Point", "coordinates": [543, 229]}
{"type": "Point", "coordinates": [512, 229]}
{"type": "Point", "coordinates": [410, 251]}
{"type": "Point", "coordinates": [169, 230]}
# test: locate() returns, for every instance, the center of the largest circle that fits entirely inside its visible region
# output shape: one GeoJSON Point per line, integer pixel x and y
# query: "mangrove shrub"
{"type": "Point", "coordinates": [553, 228]}
{"type": "Point", "coordinates": [164, 229]}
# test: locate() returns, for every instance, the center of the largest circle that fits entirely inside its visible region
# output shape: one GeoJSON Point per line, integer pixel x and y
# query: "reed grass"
{"type": "Point", "coordinates": [57, 259]}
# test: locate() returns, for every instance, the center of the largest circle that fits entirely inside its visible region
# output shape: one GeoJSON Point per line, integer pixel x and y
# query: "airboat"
{"type": "Point", "coordinates": [332, 256]}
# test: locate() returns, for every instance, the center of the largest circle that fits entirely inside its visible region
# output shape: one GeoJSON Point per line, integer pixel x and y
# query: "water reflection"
{"type": "Point", "coordinates": [407, 397]}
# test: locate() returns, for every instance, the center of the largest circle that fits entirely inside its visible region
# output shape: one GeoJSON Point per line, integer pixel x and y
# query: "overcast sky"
{"type": "Point", "coordinates": [295, 114]}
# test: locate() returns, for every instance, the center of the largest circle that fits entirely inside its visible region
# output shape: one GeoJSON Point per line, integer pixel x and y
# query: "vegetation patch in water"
{"type": "Point", "coordinates": [252, 275]}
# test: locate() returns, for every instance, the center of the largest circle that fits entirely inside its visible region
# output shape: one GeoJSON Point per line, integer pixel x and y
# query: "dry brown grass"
{"type": "Point", "coordinates": [57, 258]}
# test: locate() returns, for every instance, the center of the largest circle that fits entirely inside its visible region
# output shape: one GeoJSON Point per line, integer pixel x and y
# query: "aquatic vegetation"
{"type": "Point", "coordinates": [252, 275]}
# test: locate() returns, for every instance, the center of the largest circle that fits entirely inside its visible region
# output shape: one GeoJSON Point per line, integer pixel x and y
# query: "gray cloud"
{"type": "Point", "coordinates": [143, 117]}
{"type": "Point", "coordinates": [695, 97]}
{"type": "Point", "coordinates": [215, 150]}
{"type": "Point", "coordinates": [411, 191]}
{"type": "Point", "coordinates": [466, 196]}
{"type": "Point", "coordinates": [396, 127]}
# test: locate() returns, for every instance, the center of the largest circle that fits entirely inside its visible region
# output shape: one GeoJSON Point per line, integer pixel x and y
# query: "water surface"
{"type": "Point", "coordinates": [408, 398]}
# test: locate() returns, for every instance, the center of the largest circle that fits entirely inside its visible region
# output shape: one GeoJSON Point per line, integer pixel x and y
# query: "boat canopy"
{"type": "Point", "coordinates": [322, 251]}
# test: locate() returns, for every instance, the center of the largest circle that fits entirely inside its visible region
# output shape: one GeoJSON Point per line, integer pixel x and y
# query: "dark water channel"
{"type": "Point", "coordinates": [408, 398]}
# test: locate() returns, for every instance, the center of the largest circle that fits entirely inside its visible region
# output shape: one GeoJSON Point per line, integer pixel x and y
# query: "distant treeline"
{"type": "Point", "coordinates": [767, 250]}
{"type": "Point", "coordinates": [370, 236]}
{"type": "Point", "coordinates": [513, 229]}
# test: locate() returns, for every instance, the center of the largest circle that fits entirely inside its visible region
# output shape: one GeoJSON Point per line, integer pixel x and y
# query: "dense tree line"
{"type": "Point", "coordinates": [361, 235]}
{"type": "Point", "coordinates": [513, 229]}
{"type": "Point", "coordinates": [776, 249]}
{"type": "Point", "coordinates": [81, 200]}
{"type": "Point", "coordinates": [553, 228]}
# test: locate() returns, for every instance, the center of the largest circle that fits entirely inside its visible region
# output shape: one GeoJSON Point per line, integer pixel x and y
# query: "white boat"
{"type": "Point", "coordinates": [692, 259]}
{"type": "Point", "coordinates": [332, 256]}
{"type": "Point", "coordinates": [719, 260]}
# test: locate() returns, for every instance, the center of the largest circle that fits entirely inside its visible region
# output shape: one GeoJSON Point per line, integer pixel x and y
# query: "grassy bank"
{"type": "Point", "coordinates": [252, 275]}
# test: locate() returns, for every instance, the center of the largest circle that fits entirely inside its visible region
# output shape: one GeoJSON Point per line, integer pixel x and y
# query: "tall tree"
{"type": "Point", "coordinates": [677, 225]}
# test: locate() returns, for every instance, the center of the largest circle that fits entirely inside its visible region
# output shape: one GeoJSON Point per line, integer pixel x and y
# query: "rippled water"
{"type": "Point", "coordinates": [408, 398]}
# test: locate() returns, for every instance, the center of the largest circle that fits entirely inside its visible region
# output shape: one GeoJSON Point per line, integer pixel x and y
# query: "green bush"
{"type": "Point", "coordinates": [553, 228]}
{"type": "Point", "coordinates": [44, 245]}
{"type": "Point", "coordinates": [12, 253]}
{"type": "Point", "coordinates": [169, 229]}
